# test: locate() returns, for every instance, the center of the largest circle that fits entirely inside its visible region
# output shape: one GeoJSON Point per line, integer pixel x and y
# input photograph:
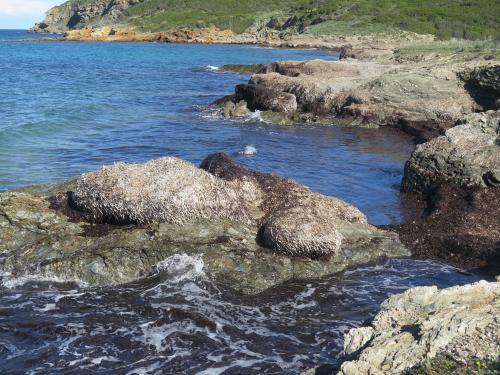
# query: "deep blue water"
{"type": "Point", "coordinates": [66, 108]}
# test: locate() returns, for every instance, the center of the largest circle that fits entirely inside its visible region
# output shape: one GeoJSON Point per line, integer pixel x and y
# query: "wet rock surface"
{"type": "Point", "coordinates": [241, 68]}
{"type": "Point", "coordinates": [424, 322]}
{"type": "Point", "coordinates": [43, 234]}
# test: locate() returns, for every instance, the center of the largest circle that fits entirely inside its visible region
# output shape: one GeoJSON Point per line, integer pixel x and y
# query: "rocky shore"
{"type": "Point", "coordinates": [450, 105]}
{"type": "Point", "coordinates": [460, 324]}
{"type": "Point", "coordinates": [457, 176]}
{"type": "Point", "coordinates": [126, 34]}
{"type": "Point", "coordinates": [423, 98]}
{"type": "Point", "coordinates": [253, 230]}
{"type": "Point", "coordinates": [447, 103]}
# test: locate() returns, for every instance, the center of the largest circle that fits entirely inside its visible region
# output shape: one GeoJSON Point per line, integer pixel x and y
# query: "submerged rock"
{"type": "Point", "coordinates": [114, 237]}
{"type": "Point", "coordinates": [241, 68]}
{"type": "Point", "coordinates": [232, 109]}
{"type": "Point", "coordinates": [467, 155]}
{"type": "Point", "coordinates": [424, 322]}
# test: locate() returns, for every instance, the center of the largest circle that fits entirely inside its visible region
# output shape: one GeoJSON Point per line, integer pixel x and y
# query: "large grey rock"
{"type": "Point", "coordinates": [467, 155]}
{"type": "Point", "coordinates": [461, 322]}
{"type": "Point", "coordinates": [42, 235]}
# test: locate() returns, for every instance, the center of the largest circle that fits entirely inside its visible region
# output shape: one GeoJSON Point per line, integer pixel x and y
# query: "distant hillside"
{"type": "Point", "coordinates": [468, 19]}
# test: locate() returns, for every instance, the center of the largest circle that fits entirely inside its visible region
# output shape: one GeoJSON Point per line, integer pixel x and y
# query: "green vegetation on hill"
{"type": "Point", "coordinates": [468, 19]}
{"type": "Point", "coordinates": [468, 49]}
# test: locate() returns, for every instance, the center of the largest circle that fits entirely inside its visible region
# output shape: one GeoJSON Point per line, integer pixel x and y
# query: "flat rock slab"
{"type": "Point", "coordinates": [422, 98]}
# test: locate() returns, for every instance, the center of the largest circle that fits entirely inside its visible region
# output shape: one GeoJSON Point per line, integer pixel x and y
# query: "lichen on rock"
{"type": "Point", "coordinates": [424, 322]}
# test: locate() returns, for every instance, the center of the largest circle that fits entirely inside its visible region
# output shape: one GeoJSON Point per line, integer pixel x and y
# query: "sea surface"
{"type": "Point", "coordinates": [67, 108]}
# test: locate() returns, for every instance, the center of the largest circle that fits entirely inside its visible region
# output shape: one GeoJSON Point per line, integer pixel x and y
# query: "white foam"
{"type": "Point", "coordinates": [8, 281]}
{"type": "Point", "coordinates": [249, 150]}
{"type": "Point", "coordinates": [239, 363]}
{"type": "Point", "coordinates": [98, 361]}
{"type": "Point", "coordinates": [212, 68]}
{"type": "Point", "coordinates": [151, 369]}
{"type": "Point", "coordinates": [182, 267]}
{"type": "Point", "coordinates": [48, 307]}
{"type": "Point", "coordinates": [253, 116]}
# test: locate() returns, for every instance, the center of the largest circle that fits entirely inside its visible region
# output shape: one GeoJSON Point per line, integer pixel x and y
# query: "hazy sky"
{"type": "Point", "coordinates": [22, 14]}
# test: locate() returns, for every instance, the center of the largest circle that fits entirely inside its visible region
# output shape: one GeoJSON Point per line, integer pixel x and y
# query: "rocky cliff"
{"type": "Point", "coordinates": [74, 14]}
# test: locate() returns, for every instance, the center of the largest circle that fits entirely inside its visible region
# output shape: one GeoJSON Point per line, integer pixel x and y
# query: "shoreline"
{"type": "Point", "coordinates": [188, 42]}
{"type": "Point", "coordinates": [280, 230]}
{"type": "Point", "coordinates": [351, 104]}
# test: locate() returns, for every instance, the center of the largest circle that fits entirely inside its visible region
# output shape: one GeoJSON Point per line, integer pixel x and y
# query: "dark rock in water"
{"type": "Point", "coordinates": [221, 101]}
{"type": "Point", "coordinates": [483, 84]}
{"type": "Point", "coordinates": [264, 99]}
{"type": "Point", "coordinates": [131, 217]}
{"type": "Point", "coordinates": [241, 68]}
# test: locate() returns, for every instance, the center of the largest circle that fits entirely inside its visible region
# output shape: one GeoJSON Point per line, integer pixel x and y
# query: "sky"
{"type": "Point", "coordinates": [22, 14]}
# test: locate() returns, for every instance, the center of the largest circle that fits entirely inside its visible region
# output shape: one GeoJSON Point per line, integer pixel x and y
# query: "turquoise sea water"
{"type": "Point", "coordinates": [67, 108]}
